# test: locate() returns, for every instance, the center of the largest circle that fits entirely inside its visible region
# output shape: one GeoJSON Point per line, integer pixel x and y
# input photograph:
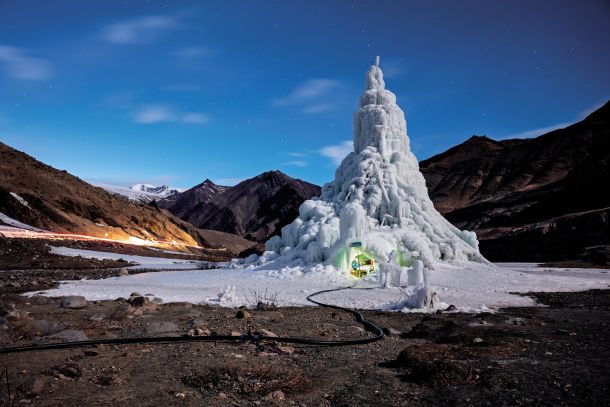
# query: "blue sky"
{"type": "Point", "coordinates": [176, 92]}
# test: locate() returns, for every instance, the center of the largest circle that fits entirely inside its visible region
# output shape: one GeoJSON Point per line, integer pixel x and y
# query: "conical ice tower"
{"type": "Point", "coordinates": [378, 201]}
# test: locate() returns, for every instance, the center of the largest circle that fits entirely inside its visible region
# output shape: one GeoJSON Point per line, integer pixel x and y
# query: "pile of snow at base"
{"type": "Point", "coordinates": [144, 262]}
{"type": "Point", "coordinates": [378, 199]}
{"type": "Point", "coordinates": [477, 289]}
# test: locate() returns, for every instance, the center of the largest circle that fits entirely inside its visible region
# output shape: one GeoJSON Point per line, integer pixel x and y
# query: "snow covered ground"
{"type": "Point", "coordinates": [470, 288]}
{"type": "Point", "coordinates": [158, 263]}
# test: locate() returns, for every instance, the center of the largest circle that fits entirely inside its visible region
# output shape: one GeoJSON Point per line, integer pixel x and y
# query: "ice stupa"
{"type": "Point", "coordinates": [377, 209]}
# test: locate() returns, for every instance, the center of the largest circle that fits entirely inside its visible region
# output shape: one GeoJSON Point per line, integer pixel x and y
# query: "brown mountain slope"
{"type": "Point", "coordinates": [60, 202]}
{"type": "Point", "coordinates": [519, 195]}
{"type": "Point", "coordinates": [182, 202]}
{"type": "Point", "coordinates": [256, 208]}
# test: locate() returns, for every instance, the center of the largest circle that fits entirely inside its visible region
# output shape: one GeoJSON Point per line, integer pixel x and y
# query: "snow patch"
{"type": "Point", "coordinates": [157, 263]}
{"type": "Point", "coordinates": [21, 200]}
{"type": "Point", "coordinates": [144, 193]}
{"type": "Point", "coordinates": [16, 224]}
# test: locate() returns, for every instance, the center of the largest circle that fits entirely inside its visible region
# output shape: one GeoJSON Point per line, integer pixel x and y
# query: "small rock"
{"type": "Point", "coordinates": [157, 300]}
{"type": "Point", "coordinates": [451, 308]}
{"type": "Point", "coordinates": [478, 340]}
{"type": "Point", "coordinates": [242, 313]}
{"type": "Point", "coordinates": [137, 301]}
{"type": "Point", "coordinates": [123, 272]}
{"type": "Point", "coordinates": [268, 333]}
{"type": "Point", "coordinates": [135, 294]}
{"type": "Point", "coordinates": [12, 314]}
{"type": "Point", "coordinates": [74, 302]}
{"type": "Point", "coordinates": [276, 395]}
{"type": "Point", "coordinates": [33, 386]}
{"type": "Point", "coordinates": [109, 379]}
{"type": "Point", "coordinates": [235, 333]}
{"type": "Point", "coordinates": [391, 331]}
{"type": "Point", "coordinates": [70, 335]}
{"type": "Point", "coordinates": [181, 395]}
{"type": "Point", "coordinates": [69, 370]}
{"type": "Point", "coordinates": [155, 328]}
{"type": "Point", "coordinates": [289, 350]}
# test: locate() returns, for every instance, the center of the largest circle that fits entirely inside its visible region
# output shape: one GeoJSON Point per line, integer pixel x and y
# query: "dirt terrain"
{"type": "Point", "coordinates": [554, 355]}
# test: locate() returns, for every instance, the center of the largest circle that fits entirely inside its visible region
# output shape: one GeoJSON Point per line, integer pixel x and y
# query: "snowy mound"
{"type": "Point", "coordinates": [378, 201]}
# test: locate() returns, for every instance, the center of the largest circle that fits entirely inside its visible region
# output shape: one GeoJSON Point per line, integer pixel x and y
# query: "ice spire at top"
{"type": "Point", "coordinates": [374, 77]}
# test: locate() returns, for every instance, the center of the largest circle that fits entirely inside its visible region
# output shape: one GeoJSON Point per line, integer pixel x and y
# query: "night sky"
{"type": "Point", "coordinates": [175, 92]}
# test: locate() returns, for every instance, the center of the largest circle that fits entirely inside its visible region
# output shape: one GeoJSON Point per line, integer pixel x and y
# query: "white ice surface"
{"type": "Point", "coordinates": [144, 262]}
{"type": "Point", "coordinates": [469, 287]}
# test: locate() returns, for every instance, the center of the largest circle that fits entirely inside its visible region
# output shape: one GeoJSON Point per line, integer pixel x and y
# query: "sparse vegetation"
{"type": "Point", "coordinates": [262, 300]}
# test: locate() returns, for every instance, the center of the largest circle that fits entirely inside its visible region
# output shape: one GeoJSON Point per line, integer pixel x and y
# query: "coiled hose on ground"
{"type": "Point", "coordinates": [255, 338]}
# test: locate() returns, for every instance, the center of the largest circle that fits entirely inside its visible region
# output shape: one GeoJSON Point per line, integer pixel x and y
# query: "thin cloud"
{"type": "Point", "coordinates": [296, 163]}
{"type": "Point", "coordinates": [337, 152]}
{"type": "Point", "coordinates": [152, 114]}
{"type": "Point", "coordinates": [537, 132]}
{"type": "Point", "coordinates": [19, 65]}
{"type": "Point", "coordinates": [546, 129]}
{"type": "Point", "coordinates": [194, 118]}
{"type": "Point", "coordinates": [393, 67]}
{"type": "Point", "coordinates": [140, 30]}
{"type": "Point", "coordinates": [320, 108]}
{"type": "Point", "coordinates": [295, 154]}
{"type": "Point", "coordinates": [192, 52]}
{"type": "Point", "coordinates": [311, 96]}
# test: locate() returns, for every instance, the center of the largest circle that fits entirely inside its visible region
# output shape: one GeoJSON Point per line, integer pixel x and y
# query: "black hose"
{"type": "Point", "coordinates": [255, 338]}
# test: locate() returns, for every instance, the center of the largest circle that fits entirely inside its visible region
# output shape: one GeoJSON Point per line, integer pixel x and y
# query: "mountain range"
{"type": "Point", "coordinates": [539, 199]}
{"type": "Point", "coordinates": [256, 208]}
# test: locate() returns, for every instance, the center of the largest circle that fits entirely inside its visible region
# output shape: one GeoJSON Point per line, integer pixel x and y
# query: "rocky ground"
{"type": "Point", "coordinates": [553, 355]}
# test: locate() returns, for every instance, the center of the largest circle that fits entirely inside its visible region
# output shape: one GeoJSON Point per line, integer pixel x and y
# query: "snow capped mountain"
{"type": "Point", "coordinates": [162, 191]}
{"type": "Point", "coordinates": [144, 193]}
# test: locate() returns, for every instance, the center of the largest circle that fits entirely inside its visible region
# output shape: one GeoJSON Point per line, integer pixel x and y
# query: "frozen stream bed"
{"type": "Point", "coordinates": [470, 288]}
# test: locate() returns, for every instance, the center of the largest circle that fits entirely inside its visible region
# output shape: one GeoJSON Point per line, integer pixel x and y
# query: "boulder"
{"type": "Point", "coordinates": [243, 314]}
{"type": "Point", "coordinates": [137, 300]}
{"type": "Point", "coordinates": [74, 302]}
